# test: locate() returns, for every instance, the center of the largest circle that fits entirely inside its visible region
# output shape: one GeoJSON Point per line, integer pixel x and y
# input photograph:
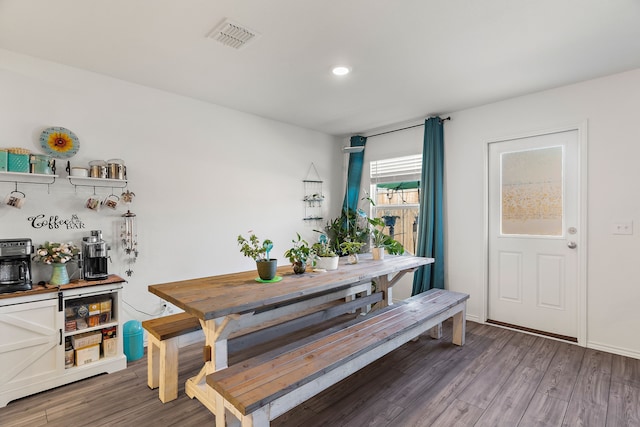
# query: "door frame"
{"type": "Point", "coordinates": [581, 288]}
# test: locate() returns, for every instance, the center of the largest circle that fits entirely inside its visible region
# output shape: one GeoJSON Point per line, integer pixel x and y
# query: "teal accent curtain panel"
{"type": "Point", "coordinates": [354, 175]}
{"type": "Point", "coordinates": [430, 220]}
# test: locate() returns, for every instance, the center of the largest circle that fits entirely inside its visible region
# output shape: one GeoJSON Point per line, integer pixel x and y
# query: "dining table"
{"type": "Point", "coordinates": [232, 303]}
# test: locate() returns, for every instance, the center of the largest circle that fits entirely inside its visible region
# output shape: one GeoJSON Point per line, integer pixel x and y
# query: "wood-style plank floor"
{"type": "Point", "coordinates": [499, 378]}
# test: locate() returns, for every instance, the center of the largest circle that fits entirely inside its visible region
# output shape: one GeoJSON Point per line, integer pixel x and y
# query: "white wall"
{"type": "Point", "coordinates": [611, 106]}
{"type": "Point", "coordinates": [202, 174]}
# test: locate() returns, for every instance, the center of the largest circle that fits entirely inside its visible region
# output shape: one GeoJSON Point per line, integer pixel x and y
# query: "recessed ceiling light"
{"type": "Point", "coordinates": [341, 71]}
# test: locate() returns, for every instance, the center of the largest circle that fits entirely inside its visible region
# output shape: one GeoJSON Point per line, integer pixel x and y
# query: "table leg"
{"type": "Point", "coordinates": [215, 343]}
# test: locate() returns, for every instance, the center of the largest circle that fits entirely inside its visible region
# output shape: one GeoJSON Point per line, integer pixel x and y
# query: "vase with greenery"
{"type": "Point", "coordinates": [299, 254]}
{"type": "Point", "coordinates": [351, 249]}
{"type": "Point", "coordinates": [57, 255]}
{"type": "Point", "coordinates": [259, 251]}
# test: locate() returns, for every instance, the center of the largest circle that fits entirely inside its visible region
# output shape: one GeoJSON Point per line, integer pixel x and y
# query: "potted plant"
{"type": "Point", "coordinates": [351, 249]}
{"type": "Point", "coordinates": [252, 248]}
{"type": "Point", "coordinates": [377, 240]}
{"type": "Point", "coordinates": [325, 258]}
{"type": "Point", "coordinates": [298, 255]}
{"type": "Point", "coordinates": [57, 255]}
{"type": "Point", "coordinates": [381, 241]}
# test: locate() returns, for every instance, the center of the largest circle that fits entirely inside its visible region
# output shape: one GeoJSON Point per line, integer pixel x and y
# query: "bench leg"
{"type": "Point", "coordinates": [153, 362]}
{"type": "Point", "coordinates": [436, 331]}
{"type": "Point", "coordinates": [259, 418]}
{"type": "Point", "coordinates": [168, 370]}
{"type": "Point", "coordinates": [459, 326]}
{"type": "Point", "coordinates": [220, 412]}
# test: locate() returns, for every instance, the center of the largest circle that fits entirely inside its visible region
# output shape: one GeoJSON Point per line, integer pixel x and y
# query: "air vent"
{"type": "Point", "coordinates": [233, 35]}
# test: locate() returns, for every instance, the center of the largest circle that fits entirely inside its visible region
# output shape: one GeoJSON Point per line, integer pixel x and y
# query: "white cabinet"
{"type": "Point", "coordinates": [30, 347]}
{"type": "Point", "coordinates": [34, 329]}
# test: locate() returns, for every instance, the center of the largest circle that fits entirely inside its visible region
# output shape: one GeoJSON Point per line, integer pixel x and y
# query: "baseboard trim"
{"type": "Point", "coordinates": [614, 350]}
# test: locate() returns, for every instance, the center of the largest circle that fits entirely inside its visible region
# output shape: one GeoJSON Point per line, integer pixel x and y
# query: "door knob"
{"type": "Point", "coordinates": [572, 245]}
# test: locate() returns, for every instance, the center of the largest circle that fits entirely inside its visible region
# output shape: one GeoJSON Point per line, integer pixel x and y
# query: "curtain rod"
{"type": "Point", "coordinates": [408, 127]}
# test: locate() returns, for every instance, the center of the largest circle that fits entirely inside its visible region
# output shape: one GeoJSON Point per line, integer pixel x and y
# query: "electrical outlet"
{"type": "Point", "coordinates": [622, 227]}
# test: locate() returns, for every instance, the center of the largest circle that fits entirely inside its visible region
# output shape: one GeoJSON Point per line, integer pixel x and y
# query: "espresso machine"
{"type": "Point", "coordinates": [94, 256]}
{"type": "Point", "coordinates": [15, 265]}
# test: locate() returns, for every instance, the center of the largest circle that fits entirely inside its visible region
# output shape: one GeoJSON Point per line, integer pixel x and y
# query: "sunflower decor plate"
{"type": "Point", "coordinates": [59, 142]}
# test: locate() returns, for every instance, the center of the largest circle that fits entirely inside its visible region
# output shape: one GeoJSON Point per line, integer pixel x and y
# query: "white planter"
{"type": "Point", "coordinates": [327, 263]}
{"type": "Point", "coordinates": [378, 253]}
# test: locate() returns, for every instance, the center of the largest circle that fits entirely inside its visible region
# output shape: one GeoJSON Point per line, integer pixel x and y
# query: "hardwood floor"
{"type": "Point", "coordinates": [499, 378]}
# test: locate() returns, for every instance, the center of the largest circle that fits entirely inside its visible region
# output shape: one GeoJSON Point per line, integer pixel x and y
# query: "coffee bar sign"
{"type": "Point", "coordinates": [54, 222]}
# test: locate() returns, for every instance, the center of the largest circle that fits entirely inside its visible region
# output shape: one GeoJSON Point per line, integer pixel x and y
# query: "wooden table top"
{"type": "Point", "coordinates": [77, 283]}
{"type": "Point", "coordinates": [217, 296]}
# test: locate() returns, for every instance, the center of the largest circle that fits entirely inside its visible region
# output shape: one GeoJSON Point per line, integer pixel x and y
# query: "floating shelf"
{"type": "Point", "coordinates": [27, 178]}
{"type": "Point", "coordinates": [81, 181]}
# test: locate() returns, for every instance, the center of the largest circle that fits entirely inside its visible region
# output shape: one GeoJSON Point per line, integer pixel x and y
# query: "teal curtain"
{"type": "Point", "coordinates": [354, 175]}
{"type": "Point", "coordinates": [430, 221]}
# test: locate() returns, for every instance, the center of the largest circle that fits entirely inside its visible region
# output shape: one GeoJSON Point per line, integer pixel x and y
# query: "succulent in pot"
{"type": "Point", "coordinates": [299, 254]}
{"type": "Point", "coordinates": [259, 251]}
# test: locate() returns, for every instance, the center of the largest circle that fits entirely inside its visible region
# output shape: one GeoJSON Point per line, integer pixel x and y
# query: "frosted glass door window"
{"type": "Point", "coordinates": [531, 192]}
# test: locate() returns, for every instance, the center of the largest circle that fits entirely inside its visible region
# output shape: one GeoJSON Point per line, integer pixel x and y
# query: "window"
{"type": "Point", "coordinates": [395, 190]}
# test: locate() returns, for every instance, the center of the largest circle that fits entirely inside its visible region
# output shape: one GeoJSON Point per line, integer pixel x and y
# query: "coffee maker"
{"type": "Point", "coordinates": [94, 256]}
{"type": "Point", "coordinates": [15, 265]}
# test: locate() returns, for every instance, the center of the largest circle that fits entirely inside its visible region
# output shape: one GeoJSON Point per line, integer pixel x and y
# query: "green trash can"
{"type": "Point", "coordinates": [133, 340]}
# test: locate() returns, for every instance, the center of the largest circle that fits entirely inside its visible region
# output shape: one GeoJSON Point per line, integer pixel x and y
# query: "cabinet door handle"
{"type": "Point", "coordinates": [60, 336]}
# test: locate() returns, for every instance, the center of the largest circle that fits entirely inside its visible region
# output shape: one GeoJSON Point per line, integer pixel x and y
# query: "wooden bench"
{"type": "Point", "coordinates": [162, 351]}
{"type": "Point", "coordinates": [260, 389]}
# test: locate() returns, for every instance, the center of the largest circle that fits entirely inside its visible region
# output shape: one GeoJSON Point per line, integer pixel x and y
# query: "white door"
{"type": "Point", "coordinates": [534, 233]}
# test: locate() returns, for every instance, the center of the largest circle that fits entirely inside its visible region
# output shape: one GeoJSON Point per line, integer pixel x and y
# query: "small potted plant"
{"type": "Point", "coordinates": [351, 249]}
{"type": "Point", "coordinates": [378, 241]}
{"type": "Point", "coordinates": [253, 249]}
{"type": "Point", "coordinates": [298, 255]}
{"type": "Point", "coordinates": [324, 257]}
{"type": "Point", "coordinates": [381, 241]}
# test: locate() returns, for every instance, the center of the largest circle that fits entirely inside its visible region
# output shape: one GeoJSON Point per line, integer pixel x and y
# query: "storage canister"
{"type": "Point", "coordinates": [133, 344]}
{"type": "Point", "coordinates": [78, 171]}
{"type": "Point", "coordinates": [42, 164]}
{"type": "Point", "coordinates": [18, 160]}
{"type": "Point", "coordinates": [116, 169]}
{"type": "Point", "coordinates": [98, 169]}
{"type": "Point", "coordinates": [4, 159]}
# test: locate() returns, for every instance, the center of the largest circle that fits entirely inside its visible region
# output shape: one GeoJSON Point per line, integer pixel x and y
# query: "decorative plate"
{"type": "Point", "coordinates": [59, 142]}
{"type": "Point", "coordinates": [274, 280]}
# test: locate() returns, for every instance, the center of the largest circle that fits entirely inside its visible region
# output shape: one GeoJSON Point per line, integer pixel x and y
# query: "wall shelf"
{"type": "Point", "coordinates": [81, 181]}
{"type": "Point", "coordinates": [27, 178]}
{"type": "Point", "coordinates": [313, 195]}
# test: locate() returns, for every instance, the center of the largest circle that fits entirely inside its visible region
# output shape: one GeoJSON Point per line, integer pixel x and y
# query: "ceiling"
{"type": "Point", "coordinates": [410, 59]}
